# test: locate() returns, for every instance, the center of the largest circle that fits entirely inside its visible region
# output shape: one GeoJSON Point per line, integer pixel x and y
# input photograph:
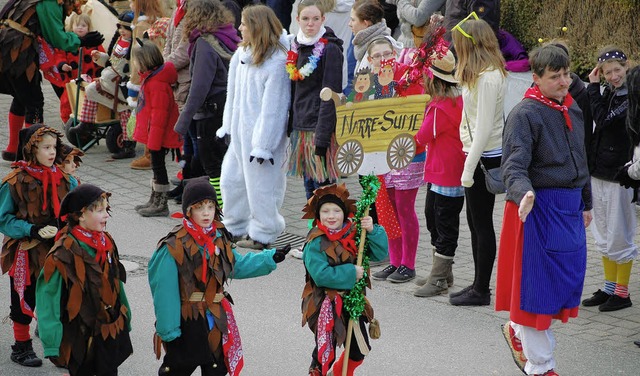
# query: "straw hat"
{"type": "Point", "coordinates": [444, 68]}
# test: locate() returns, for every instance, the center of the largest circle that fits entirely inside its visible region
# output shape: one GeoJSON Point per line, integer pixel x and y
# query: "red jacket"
{"type": "Point", "coordinates": [440, 133]}
{"type": "Point", "coordinates": [157, 111]}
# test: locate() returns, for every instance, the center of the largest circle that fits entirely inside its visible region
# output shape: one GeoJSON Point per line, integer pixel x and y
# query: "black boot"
{"type": "Point", "coordinates": [128, 150]}
{"type": "Point", "coordinates": [23, 354]}
{"type": "Point", "coordinates": [82, 130]}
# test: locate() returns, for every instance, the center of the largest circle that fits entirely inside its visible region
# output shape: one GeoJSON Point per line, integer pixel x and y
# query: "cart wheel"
{"type": "Point", "coordinates": [75, 141]}
{"type": "Point", "coordinates": [401, 151]}
{"type": "Point", "coordinates": [349, 157]}
{"type": "Point", "coordinates": [114, 138]}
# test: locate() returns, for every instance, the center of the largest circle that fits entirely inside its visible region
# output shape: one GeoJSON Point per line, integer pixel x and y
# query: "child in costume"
{"type": "Point", "coordinates": [70, 160]}
{"type": "Point", "coordinates": [329, 256]}
{"type": "Point", "coordinates": [314, 62]}
{"type": "Point", "coordinates": [30, 198]}
{"type": "Point", "coordinates": [84, 317]}
{"type": "Point", "coordinates": [187, 275]}
{"type": "Point", "coordinates": [156, 116]}
{"type": "Point", "coordinates": [109, 88]}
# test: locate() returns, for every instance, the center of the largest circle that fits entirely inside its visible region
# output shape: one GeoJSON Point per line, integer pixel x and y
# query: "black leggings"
{"type": "Point", "coordinates": [480, 204]}
{"type": "Point", "coordinates": [27, 96]}
{"type": "Point", "coordinates": [15, 312]}
{"type": "Point", "coordinates": [211, 150]}
{"type": "Point", "coordinates": [158, 166]}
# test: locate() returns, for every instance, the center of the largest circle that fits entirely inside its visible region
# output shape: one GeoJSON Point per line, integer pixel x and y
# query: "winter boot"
{"type": "Point", "coordinates": [23, 354]}
{"type": "Point", "coordinates": [159, 207]}
{"type": "Point", "coordinates": [176, 193]}
{"type": "Point", "coordinates": [152, 198]}
{"type": "Point", "coordinates": [142, 163]}
{"type": "Point", "coordinates": [437, 281]}
{"type": "Point", "coordinates": [421, 281]}
{"type": "Point", "coordinates": [82, 130]}
{"type": "Point", "coordinates": [128, 150]}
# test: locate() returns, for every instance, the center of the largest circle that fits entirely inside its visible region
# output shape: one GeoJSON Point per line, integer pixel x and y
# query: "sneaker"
{"type": "Point", "coordinates": [23, 354]}
{"type": "Point", "coordinates": [471, 298]}
{"type": "Point", "coordinates": [615, 303]}
{"type": "Point", "coordinates": [598, 297]}
{"type": "Point", "coordinates": [384, 273]}
{"type": "Point", "coordinates": [458, 293]}
{"type": "Point", "coordinates": [402, 274]}
{"type": "Point", "coordinates": [296, 252]}
{"type": "Point", "coordinates": [515, 346]}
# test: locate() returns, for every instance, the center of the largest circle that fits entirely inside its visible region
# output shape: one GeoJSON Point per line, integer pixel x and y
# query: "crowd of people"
{"type": "Point", "coordinates": [227, 90]}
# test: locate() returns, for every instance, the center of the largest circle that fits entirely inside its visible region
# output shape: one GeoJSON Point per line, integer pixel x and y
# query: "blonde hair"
{"type": "Point", "coordinates": [153, 9]}
{"type": "Point", "coordinates": [264, 30]}
{"type": "Point", "coordinates": [206, 15]}
{"type": "Point", "coordinates": [325, 6]}
{"type": "Point", "coordinates": [610, 48]}
{"type": "Point", "coordinates": [379, 41]}
{"type": "Point", "coordinates": [77, 18]}
{"type": "Point", "coordinates": [478, 54]}
{"type": "Point", "coordinates": [147, 55]}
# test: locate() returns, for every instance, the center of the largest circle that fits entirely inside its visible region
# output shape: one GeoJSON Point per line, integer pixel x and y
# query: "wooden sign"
{"type": "Point", "coordinates": [376, 136]}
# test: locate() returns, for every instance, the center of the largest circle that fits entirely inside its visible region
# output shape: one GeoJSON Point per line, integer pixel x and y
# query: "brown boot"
{"type": "Point", "coordinates": [422, 280]}
{"type": "Point", "coordinates": [159, 208]}
{"type": "Point", "coordinates": [142, 163]}
{"type": "Point", "coordinates": [437, 281]}
{"type": "Point", "coordinates": [152, 199]}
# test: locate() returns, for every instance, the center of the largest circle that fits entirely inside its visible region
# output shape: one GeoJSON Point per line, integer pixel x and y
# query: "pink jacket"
{"type": "Point", "coordinates": [440, 133]}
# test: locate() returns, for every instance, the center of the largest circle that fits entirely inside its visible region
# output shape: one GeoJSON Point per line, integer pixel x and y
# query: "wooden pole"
{"type": "Point", "coordinates": [347, 345]}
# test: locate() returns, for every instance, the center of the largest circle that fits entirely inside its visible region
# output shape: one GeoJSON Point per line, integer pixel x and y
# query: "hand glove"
{"type": "Point", "coordinates": [622, 176]}
{"type": "Point", "coordinates": [34, 233]}
{"type": "Point", "coordinates": [92, 39]}
{"type": "Point", "coordinates": [48, 232]}
{"type": "Point", "coordinates": [260, 160]}
{"type": "Point", "coordinates": [281, 253]}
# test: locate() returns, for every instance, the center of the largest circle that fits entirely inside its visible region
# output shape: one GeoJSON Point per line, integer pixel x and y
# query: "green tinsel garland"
{"type": "Point", "coordinates": [354, 300]}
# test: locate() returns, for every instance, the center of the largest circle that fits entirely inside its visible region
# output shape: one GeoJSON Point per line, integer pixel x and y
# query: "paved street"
{"type": "Point", "coordinates": [419, 336]}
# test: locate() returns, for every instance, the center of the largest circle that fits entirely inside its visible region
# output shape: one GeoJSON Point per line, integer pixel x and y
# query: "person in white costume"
{"type": "Point", "coordinates": [253, 177]}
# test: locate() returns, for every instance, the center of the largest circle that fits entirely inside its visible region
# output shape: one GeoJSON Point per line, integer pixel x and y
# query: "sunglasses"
{"type": "Point", "coordinates": [459, 26]}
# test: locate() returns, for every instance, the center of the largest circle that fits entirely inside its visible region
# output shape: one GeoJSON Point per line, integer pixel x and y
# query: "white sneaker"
{"type": "Point", "coordinates": [296, 252]}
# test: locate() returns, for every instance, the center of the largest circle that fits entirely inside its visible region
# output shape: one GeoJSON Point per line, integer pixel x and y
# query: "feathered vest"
{"type": "Point", "coordinates": [19, 51]}
{"type": "Point", "coordinates": [27, 194]}
{"type": "Point", "coordinates": [313, 295]}
{"type": "Point", "coordinates": [90, 298]}
{"type": "Point", "coordinates": [197, 296]}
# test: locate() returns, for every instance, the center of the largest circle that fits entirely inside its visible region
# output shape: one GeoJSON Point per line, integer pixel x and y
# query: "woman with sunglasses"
{"type": "Point", "coordinates": [483, 80]}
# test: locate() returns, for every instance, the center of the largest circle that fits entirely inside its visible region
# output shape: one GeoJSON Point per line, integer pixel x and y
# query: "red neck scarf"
{"type": "Point", "coordinates": [344, 236]}
{"type": "Point", "coordinates": [50, 177]}
{"type": "Point", "coordinates": [535, 94]}
{"type": "Point", "coordinates": [180, 12]}
{"type": "Point", "coordinates": [203, 238]}
{"type": "Point", "coordinates": [96, 240]}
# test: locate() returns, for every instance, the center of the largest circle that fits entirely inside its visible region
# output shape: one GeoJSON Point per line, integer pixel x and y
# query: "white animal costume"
{"type": "Point", "coordinates": [255, 117]}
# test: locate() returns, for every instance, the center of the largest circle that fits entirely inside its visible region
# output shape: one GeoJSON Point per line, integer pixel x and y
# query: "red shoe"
{"type": "Point", "coordinates": [515, 345]}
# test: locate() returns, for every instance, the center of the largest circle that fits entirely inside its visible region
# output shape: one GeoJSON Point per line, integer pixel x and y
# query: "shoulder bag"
{"type": "Point", "coordinates": [493, 176]}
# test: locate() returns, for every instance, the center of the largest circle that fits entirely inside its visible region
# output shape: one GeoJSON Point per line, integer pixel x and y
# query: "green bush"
{"type": "Point", "coordinates": [590, 25]}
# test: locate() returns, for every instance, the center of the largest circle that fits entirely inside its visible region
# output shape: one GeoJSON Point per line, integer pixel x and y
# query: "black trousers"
{"type": "Point", "coordinates": [15, 312]}
{"type": "Point", "coordinates": [480, 203]}
{"type": "Point", "coordinates": [28, 99]}
{"type": "Point", "coordinates": [443, 221]}
{"type": "Point", "coordinates": [158, 166]}
{"type": "Point", "coordinates": [211, 150]}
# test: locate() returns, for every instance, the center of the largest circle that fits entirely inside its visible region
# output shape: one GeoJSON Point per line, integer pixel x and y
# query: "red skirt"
{"type": "Point", "coordinates": [509, 275]}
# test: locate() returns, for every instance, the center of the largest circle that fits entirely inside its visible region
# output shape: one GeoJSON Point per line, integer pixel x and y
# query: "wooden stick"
{"type": "Point", "coordinates": [347, 345]}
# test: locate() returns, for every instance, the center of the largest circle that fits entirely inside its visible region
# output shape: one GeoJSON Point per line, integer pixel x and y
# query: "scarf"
{"type": "Point", "coordinates": [310, 41]}
{"type": "Point", "coordinates": [535, 94]}
{"type": "Point", "coordinates": [363, 37]}
{"type": "Point", "coordinates": [21, 275]}
{"type": "Point", "coordinates": [96, 240]}
{"type": "Point", "coordinates": [204, 238]}
{"type": "Point", "coordinates": [324, 333]}
{"type": "Point", "coordinates": [50, 178]}
{"type": "Point", "coordinates": [180, 12]}
{"type": "Point", "coordinates": [231, 344]}
{"type": "Point", "coordinates": [225, 34]}
{"type": "Point", "coordinates": [344, 236]}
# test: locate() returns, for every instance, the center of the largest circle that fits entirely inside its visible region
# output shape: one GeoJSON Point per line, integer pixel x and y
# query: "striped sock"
{"type": "Point", "coordinates": [609, 287]}
{"type": "Point", "coordinates": [215, 183]}
{"type": "Point", "coordinates": [622, 291]}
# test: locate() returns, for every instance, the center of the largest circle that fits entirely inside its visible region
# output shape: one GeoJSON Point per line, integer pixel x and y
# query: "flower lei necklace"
{"type": "Point", "coordinates": [296, 74]}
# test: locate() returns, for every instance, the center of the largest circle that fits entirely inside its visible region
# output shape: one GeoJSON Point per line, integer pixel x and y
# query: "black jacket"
{"type": "Point", "coordinates": [308, 111]}
{"type": "Point", "coordinates": [578, 91]}
{"type": "Point", "coordinates": [610, 145]}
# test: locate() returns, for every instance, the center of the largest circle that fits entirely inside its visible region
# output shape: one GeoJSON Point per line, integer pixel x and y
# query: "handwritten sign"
{"type": "Point", "coordinates": [376, 126]}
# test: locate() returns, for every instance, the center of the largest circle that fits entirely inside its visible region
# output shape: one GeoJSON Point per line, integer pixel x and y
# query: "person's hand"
{"type": "Point", "coordinates": [66, 68]}
{"type": "Point", "coordinates": [594, 76]}
{"type": "Point", "coordinates": [587, 216]}
{"type": "Point", "coordinates": [281, 253]}
{"type": "Point", "coordinates": [366, 223]}
{"type": "Point", "coordinates": [92, 39]}
{"type": "Point", "coordinates": [260, 160]}
{"type": "Point", "coordinates": [34, 233]}
{"type": "Point", "coordinates": [526, 204]}
{"type": "Point", "coordinates": [95, 55]}
{"type": "Point", "coordinates": [359, 272]}
{"type": "Point", "coordinates": [48, 232]}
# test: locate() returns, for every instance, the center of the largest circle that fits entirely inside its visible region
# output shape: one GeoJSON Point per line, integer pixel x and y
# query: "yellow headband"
{"type": "Point", "coordinates": [459, 26]}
